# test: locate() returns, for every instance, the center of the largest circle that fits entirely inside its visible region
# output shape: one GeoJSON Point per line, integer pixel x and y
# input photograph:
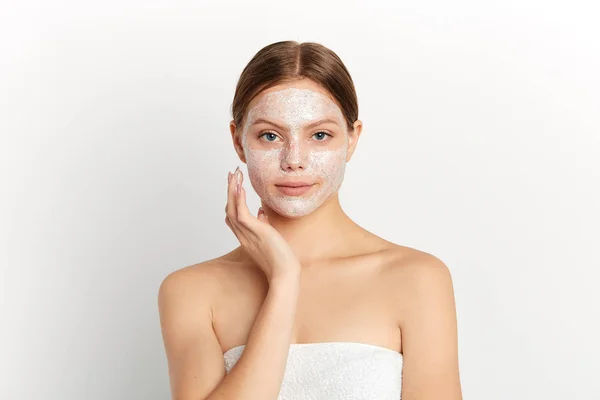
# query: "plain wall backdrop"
{"type": "Point", "coordinates": [480, 146]}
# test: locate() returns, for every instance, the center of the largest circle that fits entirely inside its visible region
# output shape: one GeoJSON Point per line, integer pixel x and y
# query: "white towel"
{"type": "Point", "coordinates": [336, 371]}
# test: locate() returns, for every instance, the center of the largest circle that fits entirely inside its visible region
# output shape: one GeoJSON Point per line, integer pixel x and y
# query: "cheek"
{"type": "Point", "coordinates": [330, 165]}
{"type": "Point", "coordinates": [262, 165]}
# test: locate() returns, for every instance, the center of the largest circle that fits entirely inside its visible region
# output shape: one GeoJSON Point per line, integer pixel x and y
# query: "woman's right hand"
{"type": "Point", "coordinates": [258, 238]}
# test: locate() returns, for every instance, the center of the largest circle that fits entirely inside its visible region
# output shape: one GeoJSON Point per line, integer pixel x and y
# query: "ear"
{"type": "Point", "coordinates": [353, 138]}
{"type": "Point", "coordinates": [236, 137]}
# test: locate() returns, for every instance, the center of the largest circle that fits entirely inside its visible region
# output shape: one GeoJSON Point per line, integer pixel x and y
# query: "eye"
{"type": "Point", "coordinates": [271, 135]}
{"type": "Point", "coordinates": [322, 134]}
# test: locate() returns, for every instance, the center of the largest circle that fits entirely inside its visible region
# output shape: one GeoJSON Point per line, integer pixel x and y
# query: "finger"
{"type": "Point", "coordinates": [243, 212]}
{"type": "Point", "coordinates": [235, 231]}
{"type": "Point", "coordinates": [242, 229]}
{"type": "Point", "coordinates": [230, 208]}
{"type": "Point", "coordinates": [227, 195]}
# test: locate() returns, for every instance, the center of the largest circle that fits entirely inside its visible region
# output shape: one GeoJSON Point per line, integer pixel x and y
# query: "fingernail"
{"type": "Point", "coordinates": [228, 176]}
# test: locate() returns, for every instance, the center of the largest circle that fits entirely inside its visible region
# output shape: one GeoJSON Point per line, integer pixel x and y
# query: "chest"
{"type": "Point", "coordinates": [346, 304]}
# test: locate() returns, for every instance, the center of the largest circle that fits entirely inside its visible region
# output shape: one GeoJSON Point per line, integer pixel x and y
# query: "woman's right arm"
{"type": "Point", "coordinates": [195, 358]}
{"type": "Point", "coordinates": [196, 364]}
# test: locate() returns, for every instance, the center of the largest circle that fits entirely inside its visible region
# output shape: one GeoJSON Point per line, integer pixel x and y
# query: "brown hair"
{"type": "Point", "coordinates": [287, 61]}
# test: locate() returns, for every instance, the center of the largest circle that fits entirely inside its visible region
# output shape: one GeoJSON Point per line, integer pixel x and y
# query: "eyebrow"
{"type": "Point", "coordinates": [312, 124]}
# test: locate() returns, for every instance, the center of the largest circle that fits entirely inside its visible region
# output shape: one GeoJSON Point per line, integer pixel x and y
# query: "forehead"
{"type": "Point", "coordinates": [293, 102]}
{"type": "Point", "coordinates": [298, 86]}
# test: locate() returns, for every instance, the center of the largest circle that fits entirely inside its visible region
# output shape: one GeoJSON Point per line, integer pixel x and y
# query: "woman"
{"type": "Point", "coordinates": [310, 305]}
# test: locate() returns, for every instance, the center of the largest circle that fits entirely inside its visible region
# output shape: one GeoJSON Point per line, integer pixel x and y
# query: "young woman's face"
{"type": "Point", "coordinates": [292, 135]}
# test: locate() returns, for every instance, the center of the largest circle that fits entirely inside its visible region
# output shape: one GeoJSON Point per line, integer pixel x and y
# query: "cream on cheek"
{"type": "Point", "coordinates": [292, 158]}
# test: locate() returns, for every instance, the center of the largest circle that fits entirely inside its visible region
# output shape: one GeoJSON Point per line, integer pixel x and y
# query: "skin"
{"type": "Point", "coordinates": [354, 285]}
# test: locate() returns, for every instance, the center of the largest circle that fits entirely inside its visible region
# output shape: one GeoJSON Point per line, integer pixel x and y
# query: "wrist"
{"type": "Point", "coordinates": [288, 278]}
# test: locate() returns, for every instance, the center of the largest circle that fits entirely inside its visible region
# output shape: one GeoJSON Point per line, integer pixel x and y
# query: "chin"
{"type": "Point", "coordinates": [292, 207]}
{"type": "Point", "coordinates": [292, 215]}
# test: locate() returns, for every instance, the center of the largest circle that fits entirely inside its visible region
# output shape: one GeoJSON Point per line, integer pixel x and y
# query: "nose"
{"type": "Point", "coordinates": [293, 157]}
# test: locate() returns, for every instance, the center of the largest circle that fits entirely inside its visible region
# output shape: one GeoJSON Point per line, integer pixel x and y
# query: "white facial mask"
{"type": "Point", "coordinates": [295, 155]}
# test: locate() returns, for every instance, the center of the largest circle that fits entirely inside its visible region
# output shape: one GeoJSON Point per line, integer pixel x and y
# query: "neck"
{"type": "Point", "coordinates": [319, 235]}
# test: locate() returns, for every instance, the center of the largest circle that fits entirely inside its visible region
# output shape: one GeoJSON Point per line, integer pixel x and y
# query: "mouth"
{"type": "Point", "coordinates": [295, 190]}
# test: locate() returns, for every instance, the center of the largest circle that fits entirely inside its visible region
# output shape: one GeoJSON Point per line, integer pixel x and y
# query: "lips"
{"type": "Point", "coordinates": [293, 184]}
{"type": "Point", "coordinates": [297, 190]}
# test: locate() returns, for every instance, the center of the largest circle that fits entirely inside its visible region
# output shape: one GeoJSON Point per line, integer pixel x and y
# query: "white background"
{"type": "Point", "coordinates": [480, 145]}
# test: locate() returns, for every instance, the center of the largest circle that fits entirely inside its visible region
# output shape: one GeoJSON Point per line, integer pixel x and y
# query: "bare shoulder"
{"type": "Point", "coordinates": [206, 287]}
{"type": "Point", "coordinates": [204, 279]}
{"type": "Point", "coordinates": [185, 299]}
{"type": "Point", "coordinates": [415, 276]}
{"type": "Point", "coordinates": [409, 265]}
{"type": "Point", "coordinates": [191, 280]}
